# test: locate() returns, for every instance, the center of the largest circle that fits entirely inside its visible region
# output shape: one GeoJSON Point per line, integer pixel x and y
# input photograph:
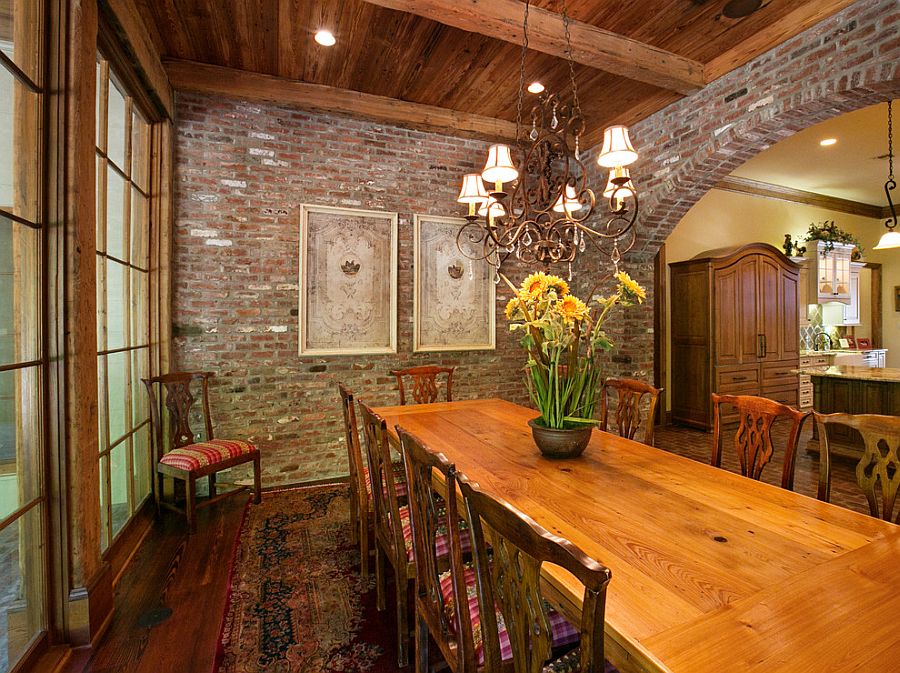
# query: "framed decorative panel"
{"type": "Point", "coordinates": [454, 297]}
{"type": "Point", "coordinates": [348, 281]}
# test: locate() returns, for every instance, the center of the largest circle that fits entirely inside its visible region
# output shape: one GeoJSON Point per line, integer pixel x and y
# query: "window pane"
{"type": "Point", "coordinates": [19, 292]}
{"type": "Point", "coordinates": [140, 152]}
{"type": "Point", "coordinates": [116, 127]}
{"type": "Point", "coordinates": [142, 464]}
{"type": "Point", "coordinates": [140, 400]}
{"type": "Point", "coordinates": [140, 229]}
{"type": "Point", "coordinates": [18, 17]}
{"type": "Point", "coordinates": [140, 328]}
{"type": "Point", "coordinates": [98, 107]}
{"type": "Point", "coordinates": [102, 410]}
{"type": "Point", "coordinates": [18, 145]}
{"type": "Point", "coordinates": [119, 474]}
{"type": "Point", "coordinates": [115, 215]}
{"type": "Point", "coordinates": [104, 510]}
{"type": "Point", "coordinates": [117, 375]}
{"type": "Point", "coordinates": [22, 588]}
{"type": "Point", "coordinates": [115, 304]}
{"type": "Point", "coordinates": [20, 439]}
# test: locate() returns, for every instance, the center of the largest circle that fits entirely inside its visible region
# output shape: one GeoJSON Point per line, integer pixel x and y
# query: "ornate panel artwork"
{"type": "Point", "coordinates": [348, 281]}
{"type": "Point", "coordinates": [454, 296]}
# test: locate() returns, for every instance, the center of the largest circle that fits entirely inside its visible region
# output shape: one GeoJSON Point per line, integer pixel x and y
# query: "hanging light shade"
{"type": "Point", "coordinates": [473, 190]}
{"type": "Point", "coordinates": [499, 166]}
{"type": "Point", "coordinates": [493, 207]}
{"type": "Point", "coordinates": [619, 176]}
{"type": "Point", "coordinates": [617, 149]}
{"type": "Point", "coordinates": [569, 204]}
{"type": "Point", "coordinates": [890, 239]}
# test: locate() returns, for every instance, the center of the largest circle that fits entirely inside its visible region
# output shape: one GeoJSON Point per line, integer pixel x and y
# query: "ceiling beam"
{"type": "Point", "coordinates": [806, 15]}
{"type": "Point", "coordinates": [191, 76]}
{"type": "Point", "coordinates": [591, 46]}
{"type": "Point", "coordinates": [733, 183]}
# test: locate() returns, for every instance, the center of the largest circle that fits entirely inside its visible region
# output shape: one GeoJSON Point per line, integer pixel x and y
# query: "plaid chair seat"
{"type": "Point", "coordinates": [399, 480]}
{"type": "Point", "coordinates": [442, 540]}
{"type": "Point", "coordinates": [203, 454]}
{"type": "Point", "coordinates": [562, 632]}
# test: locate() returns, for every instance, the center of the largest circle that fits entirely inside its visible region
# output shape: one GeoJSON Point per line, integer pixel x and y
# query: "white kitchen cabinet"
{"type": "Point", "coordinates": [830, 270]}
{"type": "Point", "coordinates": [851, 310]}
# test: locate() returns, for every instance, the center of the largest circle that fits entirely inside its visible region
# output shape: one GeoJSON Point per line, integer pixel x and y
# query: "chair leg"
{"type": "Point", "coordinates": [421, 644]}
{"type": "Point", "coordinates": [354, 518]}
{"type": "Point", "coordinates": [379, 577]}
{"type": "Point", "coordinates": [257, 481]}
{"type": "Point", "coordinates": [190, 508]}
{"type": "Point", "coordinates": [402, 620]}
{"type": "Point", "coordinates": [212, 485]}
{"type": "Point", "coordinates": [158, 492]}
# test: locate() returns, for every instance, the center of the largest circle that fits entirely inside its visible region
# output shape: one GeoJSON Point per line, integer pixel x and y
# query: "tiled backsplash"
{"type": "Point", "coordinates": [808, 332]}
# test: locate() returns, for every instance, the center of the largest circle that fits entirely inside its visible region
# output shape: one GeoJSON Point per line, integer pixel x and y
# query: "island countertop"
{"type": "Point", "coordinates": [882, 374]}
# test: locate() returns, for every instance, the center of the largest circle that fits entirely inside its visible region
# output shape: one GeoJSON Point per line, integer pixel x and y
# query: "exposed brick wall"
{"type": "Point", "coordinates": [242, 171]}
{"type": "Point", "coordinates": [847, 62]}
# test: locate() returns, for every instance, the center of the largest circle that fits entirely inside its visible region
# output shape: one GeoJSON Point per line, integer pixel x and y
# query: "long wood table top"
{"type": "Point", "coordinates": [710, 571]}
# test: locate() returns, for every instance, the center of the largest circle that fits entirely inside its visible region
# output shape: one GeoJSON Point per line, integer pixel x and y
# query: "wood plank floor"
{"type": "Point", "coordinates": [189, 575]}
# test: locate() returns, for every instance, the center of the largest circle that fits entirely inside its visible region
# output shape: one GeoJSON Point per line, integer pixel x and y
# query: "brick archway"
{"type": "Point", "coordinates": [849, 61]}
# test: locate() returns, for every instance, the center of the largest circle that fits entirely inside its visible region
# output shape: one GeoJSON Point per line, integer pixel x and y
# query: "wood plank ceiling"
{"type": "Point", "coordinates": [402, 56]}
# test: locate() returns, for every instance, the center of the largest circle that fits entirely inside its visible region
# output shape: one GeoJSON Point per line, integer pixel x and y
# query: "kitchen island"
{"type": "Point", "coordinates": [853, 390]}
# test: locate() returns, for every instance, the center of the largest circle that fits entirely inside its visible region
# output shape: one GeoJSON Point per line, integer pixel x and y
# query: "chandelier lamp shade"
{"type": "Point", "coordinates": [890, 238]}
{"type": "Point", "coordinates": [532, 199]}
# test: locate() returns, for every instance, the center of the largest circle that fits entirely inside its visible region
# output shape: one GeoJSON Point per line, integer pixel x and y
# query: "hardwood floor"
{"type": "Point", "coordinates": [187, 574]}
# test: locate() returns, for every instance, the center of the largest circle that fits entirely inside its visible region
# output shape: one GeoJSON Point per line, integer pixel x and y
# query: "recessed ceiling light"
{"type": "Point", "coordinates": [325, 38]}
{"type": "Point", "coordinates": [536, 87]}
{"type": "Point", "coordinates": [827, 142]}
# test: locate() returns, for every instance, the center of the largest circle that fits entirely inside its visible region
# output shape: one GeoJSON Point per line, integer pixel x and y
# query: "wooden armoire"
{"type": "Point", "coordinates": [735, 329]}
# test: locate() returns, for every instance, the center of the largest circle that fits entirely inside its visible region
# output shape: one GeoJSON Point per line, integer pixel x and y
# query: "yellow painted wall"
{"type": "Point", "coordinates": [723, 219]}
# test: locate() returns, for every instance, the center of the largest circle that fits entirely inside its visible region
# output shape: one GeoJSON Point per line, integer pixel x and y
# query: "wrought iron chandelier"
{"type": "Point", "coordinates": [542, 210]}
{"type": "Point", "coordinates": [890, 238]}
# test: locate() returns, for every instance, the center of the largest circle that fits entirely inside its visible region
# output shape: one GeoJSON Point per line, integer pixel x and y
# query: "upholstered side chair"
{"type": "Point", "coordinates": [184, 455]}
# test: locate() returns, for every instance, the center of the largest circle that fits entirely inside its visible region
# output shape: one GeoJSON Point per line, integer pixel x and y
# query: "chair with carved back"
{"type": "Point", "coordinates": [184, 455]}
{"type": "Point", "coordinates": [390, 521]}
{"type": "Point", "coordinates": [515, 622]}
{"type": "Point", "coordinates": [753, 436]}
{"type": "Point", "coordinates": [631, 394]}
{"type": "Point", "coordinates": [878, 471]}
{"type": "Point", "coordinates": [441, 580]}
{"type": "Point", "coordinates": [360, 481]}
{"type": "Point", "coordinates": [425, 385]}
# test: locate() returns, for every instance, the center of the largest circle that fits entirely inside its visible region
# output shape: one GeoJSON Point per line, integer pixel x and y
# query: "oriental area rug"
{"type": "Point", "coordinates": [296, 603]}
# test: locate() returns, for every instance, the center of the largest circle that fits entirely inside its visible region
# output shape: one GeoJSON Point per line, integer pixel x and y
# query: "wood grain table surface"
{"type": "Point", "coordinates": [710, 571]}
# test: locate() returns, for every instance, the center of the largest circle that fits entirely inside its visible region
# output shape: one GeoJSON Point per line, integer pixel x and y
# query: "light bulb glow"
{"type": "Point", "coordinates": [325, 38]}
{"type": "Point", "coordinates": [499, 166]}
{"type": "Point", "coordinates": [570, 204]}
{"type": "Point", "coordinates": [828, 142]}
{"type": "Point", "coordinates": [617, 149]}
{"type": "Point", "coordinates": [536, 87]}
{"type": "Point", "coordinates": [472, 190]}
{"type": "Point", "coordinates": [890, 239]}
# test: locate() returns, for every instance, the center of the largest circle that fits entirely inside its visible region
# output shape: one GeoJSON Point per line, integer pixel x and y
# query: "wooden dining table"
{"type": "Point", "coordinates": [711, 571]}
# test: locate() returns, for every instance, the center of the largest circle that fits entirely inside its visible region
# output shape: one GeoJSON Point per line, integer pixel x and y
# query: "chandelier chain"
{"type": "Point", "coordinates": [522, 72]}
{"type": "Point", "coordinates": [565, 15]}
{"type": "Point", "coordinates": [890, 141]}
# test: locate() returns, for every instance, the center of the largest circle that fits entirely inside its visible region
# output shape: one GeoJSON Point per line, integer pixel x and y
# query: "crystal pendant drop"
{"type": "Point", "coordinates": [526, 239]}
{"type": "Point", "coordinates": [581, 244]}
{"type": "Point", "coordinates": [570, 270]}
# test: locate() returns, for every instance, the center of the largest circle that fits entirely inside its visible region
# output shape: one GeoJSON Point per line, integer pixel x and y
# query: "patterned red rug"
{"type": "Point", "coordinates": [296, 602]}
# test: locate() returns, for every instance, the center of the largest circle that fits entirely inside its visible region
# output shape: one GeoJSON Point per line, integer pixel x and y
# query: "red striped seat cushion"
{"type": "Point", "coordinates": [399, 480]}
{"type": "Point", "coordinates": [563, 633]}
{"type": "Point", "coordinates": [194, 456]}
{"type": "Point", "coordinates": [441, 539]}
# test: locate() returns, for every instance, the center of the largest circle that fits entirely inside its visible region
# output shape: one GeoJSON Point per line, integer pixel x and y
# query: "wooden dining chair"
{"type": "Point", "coordinates": [425, 387]}
{"type": "Point", "coordinates": [753, 437]}
{"type": "Point", "coordinates": [631, 394]}
{"type": "Point", "coordinates": [514, 620]}
{"type": "Point", "coordinates": [393, 535]}
{"type": "Point", "coordinates": [441, 602]}
{"type": "Point", "coordinates": [361, 483]}
{"type": "Point", "coordinates": [184, 455]}
{"type": "Point", "coordinates": [878, 471]}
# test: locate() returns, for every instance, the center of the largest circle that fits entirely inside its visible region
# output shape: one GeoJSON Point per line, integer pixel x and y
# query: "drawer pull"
{"type": "Point", "coordinates": [738, 378]}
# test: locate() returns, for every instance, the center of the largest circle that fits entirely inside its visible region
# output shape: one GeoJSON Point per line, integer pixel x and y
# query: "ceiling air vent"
{"type": "Point", "coordinates": [738, 9]}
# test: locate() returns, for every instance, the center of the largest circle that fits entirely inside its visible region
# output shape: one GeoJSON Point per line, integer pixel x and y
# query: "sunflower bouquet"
{"type": "Point", "coordinates": [564, 338]}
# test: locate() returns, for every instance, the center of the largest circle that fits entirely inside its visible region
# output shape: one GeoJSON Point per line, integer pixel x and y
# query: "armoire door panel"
{"type": "Point", "coordinates": [748, 309]}
{"type": "Point", "coordinates": [728, 317]}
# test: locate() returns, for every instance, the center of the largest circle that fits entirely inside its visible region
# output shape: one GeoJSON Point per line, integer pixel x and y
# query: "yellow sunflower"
{"type": "Point", "coordinates": [572, 308]}
{"type": "Point", "coordinates": [535, 285]}
{"type": "Point", "coordinates": [631, 286]}
{"type": "Point", "coordinates": [511, 307]}
{"type": "Point", "coordinates": [558, 284]}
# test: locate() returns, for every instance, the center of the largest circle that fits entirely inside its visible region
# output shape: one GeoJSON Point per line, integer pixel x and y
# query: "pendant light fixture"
{"type": "Point", "coordinates": [537, 204]}
{"type": "Point", "coordinates": [890, 238]}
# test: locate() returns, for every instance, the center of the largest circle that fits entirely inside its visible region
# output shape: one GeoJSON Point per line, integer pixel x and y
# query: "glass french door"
{"type": "Point", "coordinates": [23, 594]}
